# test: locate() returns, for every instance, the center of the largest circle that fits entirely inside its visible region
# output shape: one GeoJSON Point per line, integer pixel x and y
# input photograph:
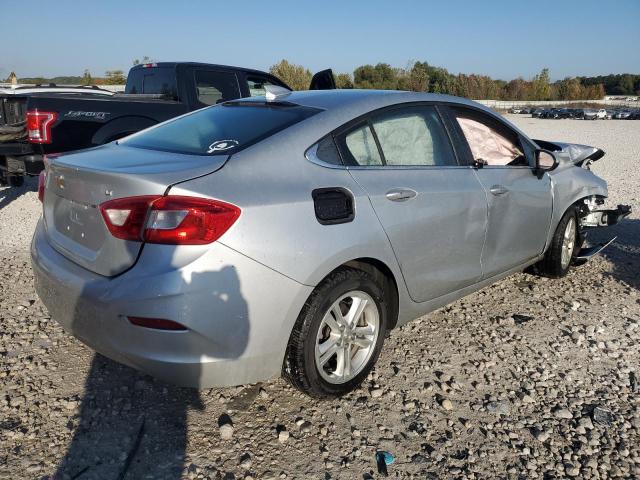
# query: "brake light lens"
{"type": "Point", "coordinates": [42, 182]}
{"type": "Point", "coordinates": [39, 126]}
{"type": "Point", "coordinates": [174, 220]}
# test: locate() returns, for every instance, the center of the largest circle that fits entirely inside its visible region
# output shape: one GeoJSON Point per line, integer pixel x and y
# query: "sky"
{"type": "Point", "coordinates": [503, 39]}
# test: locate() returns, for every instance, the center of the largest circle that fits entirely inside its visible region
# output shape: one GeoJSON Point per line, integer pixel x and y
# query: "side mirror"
{"type": "Point", "coordinates": [545, 162]}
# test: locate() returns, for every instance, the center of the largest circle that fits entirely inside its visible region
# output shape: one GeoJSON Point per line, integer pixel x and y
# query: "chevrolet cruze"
{"type": "Point", "coordinates": [288, 234]}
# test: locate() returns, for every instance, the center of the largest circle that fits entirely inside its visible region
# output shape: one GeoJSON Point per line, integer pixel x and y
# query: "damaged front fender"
{"type": "Point", "coordinates": [574, 153]}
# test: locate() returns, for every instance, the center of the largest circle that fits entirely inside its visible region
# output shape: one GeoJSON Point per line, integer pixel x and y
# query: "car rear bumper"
{"type": "Point", "coordinates": [238, 313]}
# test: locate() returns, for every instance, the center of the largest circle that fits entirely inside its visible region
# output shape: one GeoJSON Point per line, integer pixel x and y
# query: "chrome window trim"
{"type": "Point", "coordinates": [311, 156]}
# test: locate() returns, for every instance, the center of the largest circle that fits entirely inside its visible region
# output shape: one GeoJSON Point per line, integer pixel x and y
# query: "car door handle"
{"type": "Point", "coordinates": [401, 194]}
{"type": "Point", "coordinates": [499, 190]}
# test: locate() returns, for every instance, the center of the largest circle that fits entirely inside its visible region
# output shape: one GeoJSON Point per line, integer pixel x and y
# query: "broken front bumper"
{"type": "Point", "coordinates": [598, 218]}
{"type": "Point", "coordinates": [605, 218]}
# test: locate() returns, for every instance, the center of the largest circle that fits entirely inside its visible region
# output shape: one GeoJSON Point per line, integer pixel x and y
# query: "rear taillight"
{"type": "Point", "coordinates": [174, 220]}
{"type": "Point", "coordinates": [39, 126]}
{"type": "Point", "coordinates": [42, 181]}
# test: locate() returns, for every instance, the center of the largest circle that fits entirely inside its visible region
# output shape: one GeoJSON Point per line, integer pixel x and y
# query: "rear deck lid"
{"type": "Point", "coordinates": [78, 183]}
{"type": "Point", "coordinates": [147, 163]}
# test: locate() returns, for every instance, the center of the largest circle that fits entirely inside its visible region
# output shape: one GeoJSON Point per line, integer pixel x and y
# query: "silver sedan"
{"type": "Point", "coordinates": [287, 234]}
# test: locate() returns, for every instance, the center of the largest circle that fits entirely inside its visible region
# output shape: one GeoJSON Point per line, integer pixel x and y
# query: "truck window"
{"type": "Point", "coordinates": [153, 80]}
{"type": "Point", "coordinates": [216, 87]}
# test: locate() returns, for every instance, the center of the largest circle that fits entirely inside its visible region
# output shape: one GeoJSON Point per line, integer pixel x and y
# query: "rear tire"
{"type": "Point", "coordinates": [338, 335]}
{"type": "Point", "coordinates": [563, 249]}
{"type": "Point", "coordinates": [15, 180]}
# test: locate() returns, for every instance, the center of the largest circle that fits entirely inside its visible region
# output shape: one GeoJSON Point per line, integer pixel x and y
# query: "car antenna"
{"type": "Point", "coordinates": [275, 92]}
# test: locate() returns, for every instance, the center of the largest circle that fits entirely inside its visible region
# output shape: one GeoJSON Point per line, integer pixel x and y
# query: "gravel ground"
{"type": "Point", "coordinates": [529, 378]}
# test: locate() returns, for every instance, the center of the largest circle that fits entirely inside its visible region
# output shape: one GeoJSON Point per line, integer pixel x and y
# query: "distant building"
{"type": "Point", "coordinates": [13, 78]}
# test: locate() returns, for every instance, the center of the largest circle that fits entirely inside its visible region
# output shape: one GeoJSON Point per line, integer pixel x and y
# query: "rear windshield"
{"type": "Point", "coordinates": [222, 129]}
{"type": "Point", "coordinates": [153, 80]}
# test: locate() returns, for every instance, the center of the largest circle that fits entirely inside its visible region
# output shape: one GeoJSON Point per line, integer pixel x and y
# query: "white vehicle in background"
{"type": "Point", "coordinates": [591, 114]}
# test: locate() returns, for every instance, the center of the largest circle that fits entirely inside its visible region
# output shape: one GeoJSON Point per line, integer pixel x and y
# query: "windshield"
{"type": "Point", "coordinates": [222, 129]}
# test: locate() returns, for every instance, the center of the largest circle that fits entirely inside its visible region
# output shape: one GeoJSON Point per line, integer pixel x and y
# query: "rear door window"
{"type": "Point", "coordinates": [220, 130]}
{"type": "Point", "coordinates": [359, 147]}
{"type": "Point", "coordinates": [153, 80]}
{"type": "Point", "coordinates": [214, 87]}
{"type": "Point", "coordinates": [413, 136]}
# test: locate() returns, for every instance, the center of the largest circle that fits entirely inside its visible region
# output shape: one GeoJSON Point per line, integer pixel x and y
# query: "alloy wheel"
{"type": "Point", "coordinates": [347, 337]}
{"type": "Point", "coordinates": [568, 243]}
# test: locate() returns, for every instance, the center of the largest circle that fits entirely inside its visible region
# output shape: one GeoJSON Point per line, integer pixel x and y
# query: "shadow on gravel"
{"type": "Point", "coordinates": [9, 194]}
{"type": "Point", "coordinates": [130, 425]}
{"type": "Point", "coordinates": [624, 252]}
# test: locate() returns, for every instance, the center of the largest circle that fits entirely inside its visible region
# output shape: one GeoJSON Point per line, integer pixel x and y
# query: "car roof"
{"type": "Point", "coordinates": [363, 100]}
{"type": "Point", "coordinates": [341, 106]}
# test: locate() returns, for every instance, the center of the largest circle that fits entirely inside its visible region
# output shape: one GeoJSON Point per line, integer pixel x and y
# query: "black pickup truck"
{"type": "Point", "coordinates": [154, 92]}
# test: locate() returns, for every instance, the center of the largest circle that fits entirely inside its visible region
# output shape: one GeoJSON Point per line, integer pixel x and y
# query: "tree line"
{"type": "Point", "coordinates": [422, 77]}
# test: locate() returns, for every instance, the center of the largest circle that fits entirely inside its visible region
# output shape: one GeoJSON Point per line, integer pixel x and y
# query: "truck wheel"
{"type": "Point", "coordinates": [563, 249]}
{"type": "Point", "coordinates": [15, 181]}
{"type": "Point", "coordinates": [338, 335]}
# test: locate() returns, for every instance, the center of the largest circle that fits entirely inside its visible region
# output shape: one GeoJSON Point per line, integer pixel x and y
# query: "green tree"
{"type": "Point", "coordinates": [344, 80]}
{"type": "Point", "coordinates": [518, 89]}
{"type": "Point", "coordinates": [440, 80]}
{"type": "Point", "coordinates": [541, 90]}
{"type": "Point", "coordinates": [382, 77]}
{"type": "Point", "coordinates": [415, 77]}
{"type": "Point", "coordinates": [115, 77]}
{"type": "Point", "coordinates": [145, 59]}
{"type": "Point", "coordinates": [86, 78]}
{"type": "Point", "coordinates": [296, 76]}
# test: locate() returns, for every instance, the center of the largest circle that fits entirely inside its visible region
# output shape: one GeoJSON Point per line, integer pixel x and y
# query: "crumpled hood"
{"type": "Point", "coordinates": [572, 153]}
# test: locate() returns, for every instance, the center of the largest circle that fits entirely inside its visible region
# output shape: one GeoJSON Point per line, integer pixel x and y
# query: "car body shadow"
{"type": "Point", "coordinates": [9, 194]}
{"type": "Point", "coordinates": [132, 425]}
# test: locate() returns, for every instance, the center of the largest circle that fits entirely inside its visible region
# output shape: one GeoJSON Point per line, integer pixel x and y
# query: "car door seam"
{"type": "Point", "coordinates": [395, 255]}
{"type": "Point", "coordinates": [486, 223]}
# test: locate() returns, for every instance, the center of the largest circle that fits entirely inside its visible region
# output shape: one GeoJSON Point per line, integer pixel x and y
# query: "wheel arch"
{"type": "Point", "coordinates": [382, 273]}
{"type": "Point", "coordinates": [120, 127]}
{"type": "Point", "coordinates": [570, 187]}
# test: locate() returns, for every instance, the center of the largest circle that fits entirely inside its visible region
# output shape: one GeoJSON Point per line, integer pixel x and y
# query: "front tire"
{"type": "Point", "coordinates": [563, 249]}
{"type": "Point", "coordinates": [338, 335]}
